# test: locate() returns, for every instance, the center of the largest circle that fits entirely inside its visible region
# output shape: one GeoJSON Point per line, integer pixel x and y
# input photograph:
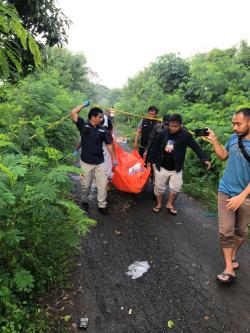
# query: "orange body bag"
{"type": "Point", "coordinates": [130, 175]}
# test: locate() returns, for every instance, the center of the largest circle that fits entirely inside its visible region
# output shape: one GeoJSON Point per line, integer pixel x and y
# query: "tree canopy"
{"type": "Point", "coordinates": [206, 89]}
{"type": "Point", "coordinates": [44, 20]}
{"type": "Point", "coordinates": [14, 39]}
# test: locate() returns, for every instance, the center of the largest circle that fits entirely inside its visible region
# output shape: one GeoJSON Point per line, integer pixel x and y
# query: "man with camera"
{"type": "Point", "coordinates": [234, 192]}
{"type": "Point", "coordinates": [168, 156]}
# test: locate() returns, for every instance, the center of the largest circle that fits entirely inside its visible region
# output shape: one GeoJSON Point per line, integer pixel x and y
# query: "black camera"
{"type": "Point", "coordinates": [201, 132]}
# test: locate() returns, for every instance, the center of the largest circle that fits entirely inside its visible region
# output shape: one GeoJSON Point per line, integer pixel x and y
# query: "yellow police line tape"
{"type": "Point", "coordinates": [128, 113]}
{"type": "Point", "coordinates": [115, 111]}
{"type": "Point", "coordinates": [140, 116]}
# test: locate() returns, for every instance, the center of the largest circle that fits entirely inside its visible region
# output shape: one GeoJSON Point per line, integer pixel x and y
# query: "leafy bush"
{"type": "Point", "coordinates": [40, 226]}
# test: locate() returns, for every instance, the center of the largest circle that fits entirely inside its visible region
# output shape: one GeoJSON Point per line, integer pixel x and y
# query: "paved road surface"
{"type": "Point", "coordinates": [184, 259]}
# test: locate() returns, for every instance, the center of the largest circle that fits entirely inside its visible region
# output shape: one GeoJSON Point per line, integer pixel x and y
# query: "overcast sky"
{"type": "Point", "coordinates": [121, 37]}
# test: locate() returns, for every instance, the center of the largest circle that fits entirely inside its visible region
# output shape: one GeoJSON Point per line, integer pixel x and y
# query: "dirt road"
{"type": "Point", "coordinates": [184, 259]}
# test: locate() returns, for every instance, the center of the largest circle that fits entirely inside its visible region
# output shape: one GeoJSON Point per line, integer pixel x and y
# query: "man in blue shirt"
{"type": "Point", "coordinates": [234, 192]}
{"type": "Point", "coordinates": [93, 135]}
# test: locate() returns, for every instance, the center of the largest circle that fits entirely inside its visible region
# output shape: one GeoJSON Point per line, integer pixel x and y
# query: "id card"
{"type": "Point", "coordinates": [169, 146]}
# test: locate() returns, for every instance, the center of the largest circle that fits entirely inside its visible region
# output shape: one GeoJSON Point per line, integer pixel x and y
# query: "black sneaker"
{"type": "Point", "coordinates": [103, 210]}
{"type": "Point", "coordinates": [85, 206]}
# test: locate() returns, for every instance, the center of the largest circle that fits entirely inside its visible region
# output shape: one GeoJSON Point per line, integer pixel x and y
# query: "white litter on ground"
{"type": "Point", "coordinates": [137, 269]}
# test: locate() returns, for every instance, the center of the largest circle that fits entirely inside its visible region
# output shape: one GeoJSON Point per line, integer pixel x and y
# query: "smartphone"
{"type": "Point", "coordinates": [201, 132]}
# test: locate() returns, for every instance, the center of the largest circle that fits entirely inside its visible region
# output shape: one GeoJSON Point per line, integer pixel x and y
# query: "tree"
{"type": "Point", "coordinates": [72, 67]}
{"type": "Point", "coordinates": [11, 30]}
{"type": "Point", "coordinates": [243, 55]}
{"type": "Point", "coordinates": [170, 71]}
{"type": "Point", "coordinates": [44, 20]}
{"type": "Point", "coordinates": [114, 96]}
{"type": "Point", "coordinates": [211, 76]}
{"type": "Point", "coordinates": [102, 94]}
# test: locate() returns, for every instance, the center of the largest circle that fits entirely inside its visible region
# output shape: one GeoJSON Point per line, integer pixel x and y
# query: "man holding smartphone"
{"type": "Point", "coordinates": [234, 192]}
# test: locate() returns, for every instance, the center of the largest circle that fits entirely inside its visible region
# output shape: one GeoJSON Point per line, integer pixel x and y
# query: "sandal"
{"type": "Point", "coordinates": [157, 209]}
{"type": "Point", "coordinates": [231, 278]}
{"type": "Point", "coordinates": [172, 211]}
{"type": "Point", "coordinates": [235, 264]}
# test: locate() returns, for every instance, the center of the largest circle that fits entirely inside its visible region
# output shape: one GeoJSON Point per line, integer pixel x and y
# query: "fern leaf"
{"type": "Point", "coordinates": [53, 153]}
{"type": "Point", "coordinates": [4, 66]}
{"type": "Point", "coordinates": [24, 281]}
{"type": "Point", "coordinates": [15, 61]}
{"type": "Point", "coordinates": [7, 171]}
{"type": "Point", "coordinates": [21, 33]}
{"type": "Point", "coordinates": [6, 197]}
{"type": "Point", "coordinates": [4, 27]}
{"type": "Point", "coordinates": [34, 50]}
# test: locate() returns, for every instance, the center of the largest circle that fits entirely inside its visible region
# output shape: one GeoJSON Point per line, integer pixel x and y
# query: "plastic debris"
{"type": "Point", "coordinates": [67, 318]}
{"type": "Point", "coordinates": [137, 269]}
{"type": "Point", "coordinates": [210, 214]}
{"type": "Point", "coordinates": [130, 311]}
{"type": "Point", "coordinates": [170, 324]}
{"type": "Point", "coordinates": [83, 323]}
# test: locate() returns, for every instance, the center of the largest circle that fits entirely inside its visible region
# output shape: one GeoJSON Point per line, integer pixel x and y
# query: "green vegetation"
{"type": "Point", "coordinates": [40, 226]}
{"type": "Point", "coordinates": [206, 89]}
{"type": "Point", "coordinates": [14, 39]}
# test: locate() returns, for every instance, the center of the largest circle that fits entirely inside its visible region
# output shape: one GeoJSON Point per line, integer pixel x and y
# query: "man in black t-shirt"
{"type": "Point", "coordinates": [168, 156]}
{"type": "Point", "coordinates": [156, 131]}
{"type": "Point", "coordinates": [145, 127]}
{"type": "Point", "coordinates": [93, 135]}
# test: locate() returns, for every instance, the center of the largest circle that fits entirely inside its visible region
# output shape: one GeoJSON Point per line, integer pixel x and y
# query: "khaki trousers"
{"type": "Point", "coordinates": [162, 177]}
{"type": "Point", "coordinates": [97, 171]}
{"type": "Point", "coordinates": [232, 224]}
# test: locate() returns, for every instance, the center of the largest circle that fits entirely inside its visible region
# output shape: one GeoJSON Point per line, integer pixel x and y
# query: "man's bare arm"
{"type": "Point", "coordinates": [137, 136]}
{"type": "Point", "coordinates": [235, 202]}
{"type": "Point", "coordinates": [75, 111]}
{"type": "Point", "coordinates": [111, 151]}
{"type": "Point", "coordinates": [220, 151]}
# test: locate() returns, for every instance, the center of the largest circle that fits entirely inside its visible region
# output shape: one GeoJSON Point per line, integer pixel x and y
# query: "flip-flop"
{"type": "Point", "coordinates": [231, 278]}
{"type": "Point", "coordinates": [235, 261]}
{"type": "Point", "coordinates": [157, 209]}
{"type": "Point", "coordinates": [172, 211]}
